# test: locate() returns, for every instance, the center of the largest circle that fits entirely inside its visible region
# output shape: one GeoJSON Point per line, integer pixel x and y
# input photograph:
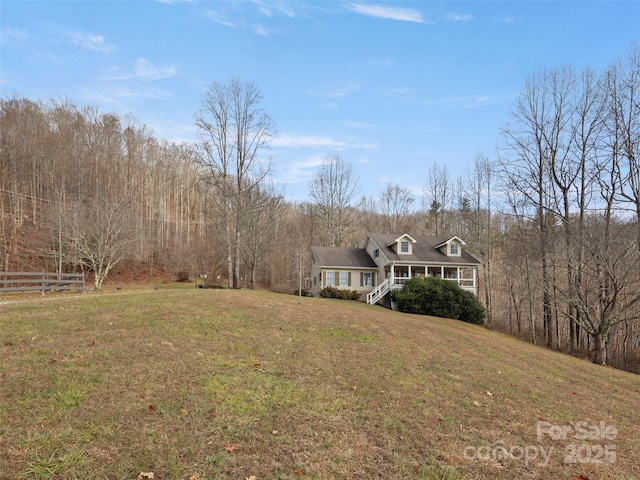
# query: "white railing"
{"type": "Point", "coordinates": [377, 293]}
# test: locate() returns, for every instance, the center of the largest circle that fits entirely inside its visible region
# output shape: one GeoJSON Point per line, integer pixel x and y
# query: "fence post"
{"type": "Point", "coordinates": [43, 278]}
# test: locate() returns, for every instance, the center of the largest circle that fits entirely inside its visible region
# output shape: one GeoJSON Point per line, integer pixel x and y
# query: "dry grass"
{"type": "Point", "coordinates": [215, 384]}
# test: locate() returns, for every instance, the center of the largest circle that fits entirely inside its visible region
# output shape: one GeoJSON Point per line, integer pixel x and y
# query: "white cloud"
{"type": "Point", "coordinates": [273, 9]}
{"type": "Point", "coordinates": [297, 141]}
{"type": "Point", "coordinates": [216, 17]}
{"type": "Point", "coordinates": [389, 13]}
{"type": "Point", "coordinates": [90, 41]}
{"type": "Point", "coordinates": [300, 172]}
{"type": "Point", "coordinates": [260, 30]}
{"type": "Point", "coordinates": [356, 124]}
{"type": "Point", "coordinates": [118, 94]}
{"type": "Point", "coordinates": [470, 101]}
{"type": "Point", "coordinates": [13, 35]}
{"type": "Point", "coordinates": [456, 17]}
{"type": "Point", "coordinates": [504, 19]}
{"type": "Point", "coordinates": [393, 92]}
{"type": "Point", "coordinates": [337, 93]}
{"type": "Point", "coordinates": [145, 69]}
{"type": "Point", "coordinates": [381, 62]}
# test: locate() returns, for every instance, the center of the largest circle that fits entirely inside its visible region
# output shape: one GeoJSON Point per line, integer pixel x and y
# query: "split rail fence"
{"type": "Point", "coordinates": [41, 281]}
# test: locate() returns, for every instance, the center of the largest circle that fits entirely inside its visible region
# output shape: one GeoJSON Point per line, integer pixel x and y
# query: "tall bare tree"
{"type": "Point", "coordinates": [334, 188]}
{"type": "Point", "coordinates": [437, 197]}
{"type": "Point", "coordinates": [478, 186]}
{"type": "Point", "coordinates": [234, 130]}
{"type": "Point", "coordinates": [623, 125]}
{"type": "Point", "coordinates": [395, 204]}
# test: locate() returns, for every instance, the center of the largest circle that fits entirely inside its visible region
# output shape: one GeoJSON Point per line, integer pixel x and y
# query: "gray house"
{"type": "Point", "coordinates": [386, 261]}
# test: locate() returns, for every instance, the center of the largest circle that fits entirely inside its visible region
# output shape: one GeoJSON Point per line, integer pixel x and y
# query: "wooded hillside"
{"type": "Point", "coordinates": [554, 217]}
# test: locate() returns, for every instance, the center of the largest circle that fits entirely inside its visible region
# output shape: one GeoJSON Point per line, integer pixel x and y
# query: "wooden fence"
{"type": "Point", "coordinates": [41, 281]}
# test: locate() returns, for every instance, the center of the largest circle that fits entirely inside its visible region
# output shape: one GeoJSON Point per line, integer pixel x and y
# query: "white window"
{"type": "Point", "coordinates": [376, 253]}
{"type": "Point", "coordinates": [330, 278]}
{"type": "Point", "coordinates": [344, 279]}
{"type": "Point", "coordinates": [404, 247]}
{"type": "Point", "coordinates": [454, 249]}
{"type": "Point", "coordinates": [366, 279]}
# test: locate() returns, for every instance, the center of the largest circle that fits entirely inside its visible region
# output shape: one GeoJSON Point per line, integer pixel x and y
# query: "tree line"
{"type": "Point", "coordinates": [553, 215]}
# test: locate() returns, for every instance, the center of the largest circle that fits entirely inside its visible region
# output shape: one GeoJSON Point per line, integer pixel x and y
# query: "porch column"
{"type": "Point", "coordinates": [458, 275]}
{"type": "Point", "coordinates": [393, 274]}
{"type": "Point", "coordinates": [442, 271]}
{"type": "Point", "coordinates": [409, 271]}
{"type": "Point", "coordinates": [475, 289]}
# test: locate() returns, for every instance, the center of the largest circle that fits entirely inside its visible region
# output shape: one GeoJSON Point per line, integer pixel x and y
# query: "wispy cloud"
{"type": "Point", "coordinates": [13, 35]}
{"type": "Point", "coordinates": [297, 141]}
{"type": "Point", "coordinates": [337, 93]}
{"type": "Point", "coordinates": [457, 17]}
{"type": "Point", "coordinates": [300, 172]}
{"type": "Point", "coordinates": [146, 70]}
{"type": "Point", "coordinates": [118, 94]}
{"type": "Point", "coordinates": [394, 92]}
{"type": "Point", "coordinates": [504, 19]}
{"type": "Point", "coordinates": [218, 18]}
{"type": "Point", "coordinates": [90, 41]}
{"type": "Point", "coordinates": [388, 13]}
{"type": "Point", "coordinates": [274, 9]}
{"type": "Point", "coordinates": [356, 124]}
{"type": "Point", "coordinates": [261, 30]}
{"type": "Point", "coordinates": [381, 62]}
{"type": "Point", "coordinates": [471, 101]}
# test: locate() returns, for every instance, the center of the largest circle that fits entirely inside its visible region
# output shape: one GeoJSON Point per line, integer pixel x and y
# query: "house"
{"type": "Point", "coordinates": [386, 261]}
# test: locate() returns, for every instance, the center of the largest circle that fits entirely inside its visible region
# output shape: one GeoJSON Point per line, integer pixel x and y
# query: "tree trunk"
{"type": "Point", "coordinates": [600, 346]}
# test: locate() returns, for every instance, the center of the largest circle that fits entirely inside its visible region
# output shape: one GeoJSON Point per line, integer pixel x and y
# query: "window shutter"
{"type": "Point", "coordinates": [349, 279]}
{"type": "Point", "coordinates": [336, 281]}
{"type": "Point", "coordinates": [361, 278]}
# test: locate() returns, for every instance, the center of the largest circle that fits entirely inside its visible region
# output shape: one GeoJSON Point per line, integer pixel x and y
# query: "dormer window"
{"type": "Point", "coordinates": [402, 245]}
{"type": "Point", "coordinates": [453, 248]}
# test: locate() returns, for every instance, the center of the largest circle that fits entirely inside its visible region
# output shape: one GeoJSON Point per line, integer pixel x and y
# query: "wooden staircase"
{"type": "Point", "coordinates": [380, 291]}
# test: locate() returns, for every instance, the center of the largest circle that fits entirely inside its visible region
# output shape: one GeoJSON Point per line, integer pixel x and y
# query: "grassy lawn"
{"type": "Point", "coordinates": [216, 384]}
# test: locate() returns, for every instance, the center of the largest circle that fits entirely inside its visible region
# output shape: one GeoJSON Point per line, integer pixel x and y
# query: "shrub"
{"type": "Point", "coordinates": [182, 276]}
{"type": "Point", "coordinates": [333, 292]}
{"type": "Point", "coordinates": [440, 298]}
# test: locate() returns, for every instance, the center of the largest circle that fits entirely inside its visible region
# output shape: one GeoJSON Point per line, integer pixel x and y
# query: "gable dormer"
{"type": "Point", "coordinates": [403, 245]}
{"type": "Point", "coordinates": [451, 247]}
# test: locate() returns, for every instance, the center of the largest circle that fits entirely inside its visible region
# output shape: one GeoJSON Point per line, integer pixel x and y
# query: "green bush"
{"type": "Point", "coordinates": [440, 298]}
{"type": "Point", "coordinates": [333, 292]}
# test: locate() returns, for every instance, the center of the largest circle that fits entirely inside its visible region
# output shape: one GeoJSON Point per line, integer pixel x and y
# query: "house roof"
{"type": "Point", "coordinates": [342, 257]}
{"type": "Point", "coordinates": [424, 250]}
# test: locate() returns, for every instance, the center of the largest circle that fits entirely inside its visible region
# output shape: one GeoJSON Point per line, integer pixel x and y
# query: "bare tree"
{"type": "Point", "coordinates": [395, 204]}
{"type": "Point", "coordinates": [262, 228]}
{"type": "Point", "coordinates": [98, 234]}
{"type": "Point", "coordinates": [437, 197]}
{"type": "Point", "coordinates": [479, 186]}
{"type": "Point", "coordinates": [534, 142]}
{"type": "Point", "coordinates": [623, 125]}
{"type": "Point", "coordinates": [334, 188]}
{"type": "Point", "coordinates": [233, 132]}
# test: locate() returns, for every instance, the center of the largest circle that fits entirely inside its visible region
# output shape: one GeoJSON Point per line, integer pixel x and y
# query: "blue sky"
{"type": "Point", "coordinates": [392, 87]}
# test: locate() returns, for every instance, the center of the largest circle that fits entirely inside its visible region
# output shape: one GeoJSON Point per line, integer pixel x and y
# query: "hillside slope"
{"type": "Point", "coordinates": [233, 384]}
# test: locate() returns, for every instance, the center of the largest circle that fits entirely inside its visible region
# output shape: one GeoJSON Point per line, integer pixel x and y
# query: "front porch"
{"type": "Point", "coordinates": [397, 275]}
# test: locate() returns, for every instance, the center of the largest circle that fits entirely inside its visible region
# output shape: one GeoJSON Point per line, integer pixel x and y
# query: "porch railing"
{"type": "Point", "coordinates": [380, 291]}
